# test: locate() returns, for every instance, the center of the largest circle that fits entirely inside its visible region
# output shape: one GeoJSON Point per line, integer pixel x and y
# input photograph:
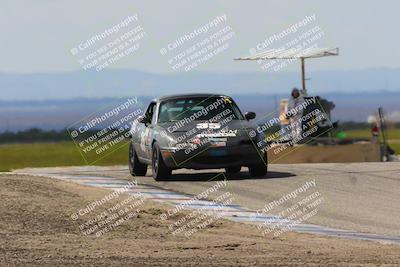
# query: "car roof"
{"type": "Point", "coordinates": [169, 97]}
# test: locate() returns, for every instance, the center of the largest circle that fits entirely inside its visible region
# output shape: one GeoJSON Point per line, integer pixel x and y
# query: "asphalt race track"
{"type": "Point", "coordinates": [361, 198]}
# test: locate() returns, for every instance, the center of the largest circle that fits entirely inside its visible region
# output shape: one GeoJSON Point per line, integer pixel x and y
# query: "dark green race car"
{"type": "Point", "coordinates": [196, 131]}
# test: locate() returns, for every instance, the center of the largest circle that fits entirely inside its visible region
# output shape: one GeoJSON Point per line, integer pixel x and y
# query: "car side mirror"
{"type": "Point", "coordinates": [250, 115]}
{"type": "Point", "coordinates": [144, 120]}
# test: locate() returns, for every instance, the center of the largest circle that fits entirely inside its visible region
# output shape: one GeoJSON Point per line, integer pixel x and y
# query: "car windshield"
{"type": "Point", "coordinates": [199, 109]}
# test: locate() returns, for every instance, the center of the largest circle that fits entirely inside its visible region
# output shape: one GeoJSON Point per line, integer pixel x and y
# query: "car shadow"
{"type": "Point", "coordinates": [219, 176]}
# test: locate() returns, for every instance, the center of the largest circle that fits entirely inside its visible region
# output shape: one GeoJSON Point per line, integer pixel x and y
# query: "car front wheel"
{"type": "Point", "coordinates": [259, 170]}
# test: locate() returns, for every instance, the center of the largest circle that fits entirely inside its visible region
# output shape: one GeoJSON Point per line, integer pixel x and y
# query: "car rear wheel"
{"type": "Point", "coordinates": [136, 168]}
{"type": "Point", "coordinates": [161, 172]}
{"type": "Point", "coordinates": [232, 170]}
{"type": "Point", "coordinates": [259, 170]}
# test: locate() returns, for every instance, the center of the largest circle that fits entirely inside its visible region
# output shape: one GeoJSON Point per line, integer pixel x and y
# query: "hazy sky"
{"type": "Point", "coordinates": [37, 36]}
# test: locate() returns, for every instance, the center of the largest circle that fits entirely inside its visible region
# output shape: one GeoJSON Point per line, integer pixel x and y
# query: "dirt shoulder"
{"type": "Point", "coordinates": [36, 229]}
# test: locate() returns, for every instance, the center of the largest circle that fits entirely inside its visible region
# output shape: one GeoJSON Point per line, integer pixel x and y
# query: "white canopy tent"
{"type": "Point", "coordinates": [293, 54]}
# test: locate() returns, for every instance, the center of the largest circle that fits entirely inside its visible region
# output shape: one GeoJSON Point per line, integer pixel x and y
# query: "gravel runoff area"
{"type": "Point", "coordinates": [37, 229]}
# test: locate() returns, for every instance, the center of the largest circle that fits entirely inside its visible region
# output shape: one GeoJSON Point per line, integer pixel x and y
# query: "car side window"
{"type": "Point", "coordinates": [151, 112]}
{"type": "Point", "coordinates": [154, 113]}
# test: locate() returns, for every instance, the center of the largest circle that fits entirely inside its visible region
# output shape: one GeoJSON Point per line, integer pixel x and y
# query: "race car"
{"type": "Point", "coordinates": [195, 131]}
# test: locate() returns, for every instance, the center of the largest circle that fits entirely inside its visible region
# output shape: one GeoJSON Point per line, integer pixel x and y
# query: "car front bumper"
{"type": "Point", "coordinates": [214, 157]}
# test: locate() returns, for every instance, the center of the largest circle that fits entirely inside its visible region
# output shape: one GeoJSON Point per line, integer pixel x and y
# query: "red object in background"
{"type": "Point", "coordinates": [375, 130]}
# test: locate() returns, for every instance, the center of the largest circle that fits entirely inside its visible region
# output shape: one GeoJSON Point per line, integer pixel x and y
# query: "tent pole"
{"type": "Point", "coordinates": [303, 78]}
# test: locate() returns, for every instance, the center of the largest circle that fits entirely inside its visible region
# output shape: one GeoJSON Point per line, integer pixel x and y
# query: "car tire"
{"type": "Point", "coordinates": [136, 168]}
{"type": "Point", "coordinates": [161, 172]}
{"type": "Point", "coordinates": [259, 170]}
{"type": "Point", "coordinates": [232, 170]}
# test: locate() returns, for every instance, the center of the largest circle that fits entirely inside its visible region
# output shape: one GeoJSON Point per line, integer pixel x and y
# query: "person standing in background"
{"type": "Point", "coordinates": [296, 99]}
{"type": "Point", "coordinates": [374, 133]}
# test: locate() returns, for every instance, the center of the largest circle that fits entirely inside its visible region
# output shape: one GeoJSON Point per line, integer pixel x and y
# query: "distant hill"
{"type": "Point", "coordinates": [115, 83]}
{"type": "Point", "coordinates": [56, 100]}
{"type": "Point", "coordinates": [60, 113]}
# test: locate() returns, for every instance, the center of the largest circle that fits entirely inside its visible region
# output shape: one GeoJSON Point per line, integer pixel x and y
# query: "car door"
{"type": "Point", "coordinates": [146, 132]}
{"type": "Point", "coordinates": [151, 131]}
